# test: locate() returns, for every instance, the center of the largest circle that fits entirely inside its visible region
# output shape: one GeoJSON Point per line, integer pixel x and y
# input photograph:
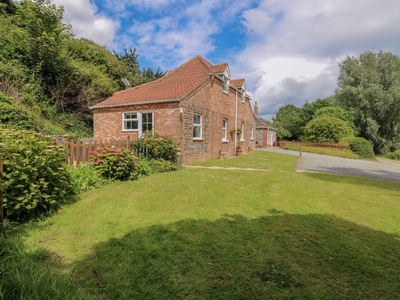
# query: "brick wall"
{"type": "Point", "coordinates": [209, 100]}
{"type": "Point", "coordinates": [107, 122]}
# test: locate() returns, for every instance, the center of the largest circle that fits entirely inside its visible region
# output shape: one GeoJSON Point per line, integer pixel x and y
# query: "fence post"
{"type": "Point", "coordinates": [179, 159]}
{"type": "Point", "coordinates": [66, 146]}
{"type": "Point", "coordinates": [301, 154]}
{"type": "Point", "coordinates": [1, 189]}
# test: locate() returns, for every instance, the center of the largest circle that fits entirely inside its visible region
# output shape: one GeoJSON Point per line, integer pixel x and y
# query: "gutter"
{"type": "Point", "coordinates": [136, 103]}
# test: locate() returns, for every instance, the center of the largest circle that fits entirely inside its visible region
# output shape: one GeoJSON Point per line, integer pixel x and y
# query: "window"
{"type": "Point", "coordinates": [224, 128]}
{"type": "Point", "coordinates": [130, 121]}
{"type": "Point", "coordinates": [242, 133]}
{"type": "Point", "coordinates": [147, 121]}
{"type": "Point", "coordinates": [137, 121]}
{"type": "Point", "coordinates": [251, 132]}
{"type": "Point", "coordinates": [226, 84]}
{"type": "Point", "coordinates": [197, 127]}
{"type": "Point", "coordinates": [243, 96]}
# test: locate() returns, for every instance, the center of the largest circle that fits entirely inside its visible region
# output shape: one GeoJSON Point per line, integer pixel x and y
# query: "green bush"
{"type": "Point", "coordinates": [359, 146]}
{"type": "Point", "coordinates": [327, 129]}
{"type": "Point", "coordinates": [156, 146]}
{"type": "Point", "coordinates": [162, 166]}
{"type": "Point", "coordinates": [149, 166]}
{"type": "Point", "coordinates": [85, 177]}
{"type": "Point", "coordinates": [393, 155]}
{"type": "Point", "coordinates": [35, 175]}
{"type": "Point", "coordinates": [115, 163]}
{"type": "Point", "coordinates": [15, 116]}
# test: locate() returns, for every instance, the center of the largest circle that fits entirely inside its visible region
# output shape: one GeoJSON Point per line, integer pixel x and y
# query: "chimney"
{"type": "Point", "coordinates": [256, 108]}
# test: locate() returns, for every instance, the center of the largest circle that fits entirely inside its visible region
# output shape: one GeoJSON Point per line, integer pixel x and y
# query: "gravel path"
{"type": "Point", "coordinates": [382, 169]}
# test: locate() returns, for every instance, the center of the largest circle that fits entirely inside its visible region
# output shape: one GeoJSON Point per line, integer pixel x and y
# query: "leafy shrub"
{"type": "Point", "coordinates": [156, 146]}
{"type": "Point", "coordinates": [327, 129]}
{"type": "Point", "coordinates": [85, 177]}
{"type": "Point", "coordinates": [393, 155]}
{"type": "Point", "coordinates": [15, 116]}
{"type": "Point", "coordinates": [149, 166]}
{"type": "Point", "coordinates": [115, 163]}
{"type": "Point", "coordinates": [359, 146]}
{"type": "Point", "coordinates": [162, 166]}
{"type": "Point", "coordinates": [35, 175]}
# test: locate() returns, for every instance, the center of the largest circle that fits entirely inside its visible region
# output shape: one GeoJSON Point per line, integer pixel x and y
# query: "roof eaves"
{"type": "Point", "coordinates": [135, 103]}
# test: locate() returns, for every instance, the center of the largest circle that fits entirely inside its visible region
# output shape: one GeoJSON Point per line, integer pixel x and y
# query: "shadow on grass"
{"type": "Point", "coordinates": [280, 256]}
{"type": "Point", "coordinates": [31, 275]}
{"type": "Point", "coordinates": [356, 180]}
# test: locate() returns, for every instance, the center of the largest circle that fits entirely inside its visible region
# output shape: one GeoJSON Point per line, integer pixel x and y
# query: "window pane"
{"type": "Point", "coordinates": [128, 116]}
{"type": "Point", "coordinates": [196, 132]}
{"type": "Point", "coordinates": [197, 119]}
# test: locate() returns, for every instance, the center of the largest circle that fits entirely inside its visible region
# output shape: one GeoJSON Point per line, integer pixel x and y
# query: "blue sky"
{"type": "Point", "coordinates": [288, 50]}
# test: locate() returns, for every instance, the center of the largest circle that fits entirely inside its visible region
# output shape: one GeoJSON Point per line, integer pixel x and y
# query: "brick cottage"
{"type": "Point", "coordinates": [197, 104]}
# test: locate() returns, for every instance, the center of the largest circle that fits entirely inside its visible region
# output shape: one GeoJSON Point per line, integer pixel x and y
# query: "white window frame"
{"type": "Point", "coordinates": [198, 125]}
{"type": "Point", "coordinates": [139, 114]}
{"type": "Point", "coordinates": [224, 130]}
{"type": "Point", "coordinates": [242, 133]}
{"type": "Point", "coordinates": [243, 96]}
{"type": "Point", "coordinates": [226, 84]}
{"type": "Point", "coordinates": [251, 133]}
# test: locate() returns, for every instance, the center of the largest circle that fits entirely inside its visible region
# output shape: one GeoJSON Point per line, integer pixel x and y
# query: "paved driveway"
{"type": "Point", "coordinates": [382, 169]}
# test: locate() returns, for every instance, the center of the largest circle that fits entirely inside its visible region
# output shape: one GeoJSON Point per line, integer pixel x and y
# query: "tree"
{"type": "Point", "coordinates": [337, 112]}
{"type": "Point", "coordinates": [369, 88]}
{"type": "Point", "coordinates": [135, 76]}
{"type": "Point", "coordinates": [309, 109]}
{"type": "Point", "coordinates": [327, 129]}
{"type": "Point", "coordinates": [289, 121]}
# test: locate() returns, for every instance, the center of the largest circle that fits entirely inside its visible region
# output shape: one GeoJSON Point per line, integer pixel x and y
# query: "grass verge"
{"type": "Point", "coordinates": [216, 234]}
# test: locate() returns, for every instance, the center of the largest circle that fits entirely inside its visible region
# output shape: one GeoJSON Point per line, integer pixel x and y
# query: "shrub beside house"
{"type": "Point", "coordinates": [197, 104]}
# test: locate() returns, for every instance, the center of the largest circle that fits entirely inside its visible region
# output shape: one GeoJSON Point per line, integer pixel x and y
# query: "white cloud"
{"type": "Point", "coordinates": [293, 56]}
{"type": "Point", "coordinates": [87, 22]}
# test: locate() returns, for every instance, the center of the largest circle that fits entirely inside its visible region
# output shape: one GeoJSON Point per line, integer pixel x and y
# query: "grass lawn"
{"type": "Point", "coordinates": [226, 234]}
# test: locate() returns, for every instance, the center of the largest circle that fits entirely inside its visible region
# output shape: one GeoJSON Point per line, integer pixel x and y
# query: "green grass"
{"type": "Point", "coordinates": [225, 234]}
{"type": "Point", "coordinates": [345, 153]}
{"type": "Point", "coordinates": [257, 160]}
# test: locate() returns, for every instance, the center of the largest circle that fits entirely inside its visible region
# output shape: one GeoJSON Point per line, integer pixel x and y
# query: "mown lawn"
{"type": "Point", "coordinates": [225, 234]}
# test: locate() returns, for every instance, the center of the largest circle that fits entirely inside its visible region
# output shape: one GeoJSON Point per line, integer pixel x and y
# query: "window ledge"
{"type": "Point", "coordinates": [129, 130]}
{"type": "Point", "coordinates": [198, 139]}
{"type": "Point", "coordinates": [225, 141]}
{"type": "Point", "coordinates": [226, 93]}
{"type": "Point", "coordinates": [242, 140]}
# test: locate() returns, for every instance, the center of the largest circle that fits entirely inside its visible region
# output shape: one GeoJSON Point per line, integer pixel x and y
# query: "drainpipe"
{"type": "Point", "coordinates": [236, 118]}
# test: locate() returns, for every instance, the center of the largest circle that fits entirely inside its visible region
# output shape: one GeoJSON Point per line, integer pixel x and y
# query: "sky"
{"type": "Point", "coordinates": [287, 50]}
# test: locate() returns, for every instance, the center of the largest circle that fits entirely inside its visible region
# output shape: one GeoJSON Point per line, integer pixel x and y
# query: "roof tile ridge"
{"type": "Point", "coordinates": [205, 63]}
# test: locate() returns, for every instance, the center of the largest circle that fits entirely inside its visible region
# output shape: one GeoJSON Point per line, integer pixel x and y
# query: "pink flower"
{"type": "Point", "coordinates": [99, 161]}
{"type": "Point", "coordinates": [91, 152]}
{"type": "Point", "coordinates": [57, 142]}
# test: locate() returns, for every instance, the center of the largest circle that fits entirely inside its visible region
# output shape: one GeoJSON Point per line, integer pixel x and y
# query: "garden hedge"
{"type": "Point", "coordinates": [359, 146]}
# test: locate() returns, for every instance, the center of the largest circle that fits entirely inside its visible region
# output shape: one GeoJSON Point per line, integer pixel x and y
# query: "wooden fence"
{"type": "Point", "coordinates": [79, 150]}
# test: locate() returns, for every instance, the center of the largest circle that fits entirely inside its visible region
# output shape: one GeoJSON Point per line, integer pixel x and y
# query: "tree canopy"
{"type": "Point", "coordinates": [53, 76]}
{"type": "Point", "coordinates": [369, 88]}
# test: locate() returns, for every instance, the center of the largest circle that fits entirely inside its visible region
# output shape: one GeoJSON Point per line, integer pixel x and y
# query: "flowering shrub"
{"type": "Point", "coordinates": [115, 163]}
{"type": "Point", "coordinates": [35, 176]}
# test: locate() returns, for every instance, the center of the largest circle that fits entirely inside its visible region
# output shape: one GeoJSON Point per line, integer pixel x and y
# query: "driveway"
{"type": "Point", "coordinates": [309, 162]}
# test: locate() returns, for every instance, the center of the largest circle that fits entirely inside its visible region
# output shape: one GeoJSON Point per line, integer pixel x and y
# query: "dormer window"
{"type": "Point", "coordinates": [226, 84]}
{"type": "Point", "coordinates": [225, 77]}
{"type": "Point", "coordinates": [243, 96]}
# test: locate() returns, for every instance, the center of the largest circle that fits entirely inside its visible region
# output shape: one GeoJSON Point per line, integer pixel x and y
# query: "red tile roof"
{"type": "Point", "coordinates": [237, 83]}
{"type": "Point", "coordinates": [173, 86]}
{"type": "Point", "coordinates": [220, 68]}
